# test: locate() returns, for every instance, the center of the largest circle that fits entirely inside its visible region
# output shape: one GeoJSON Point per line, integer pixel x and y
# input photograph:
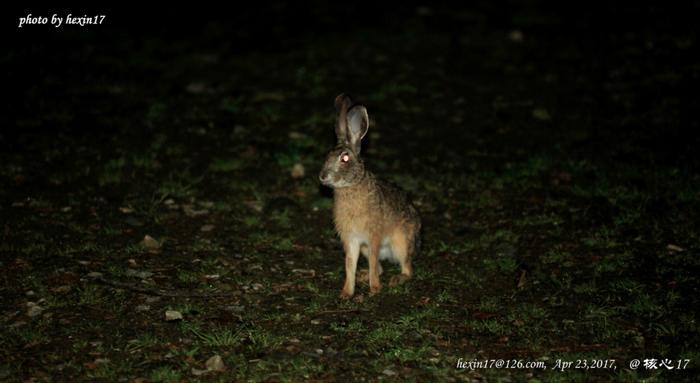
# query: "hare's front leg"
{"type": "Point", "coordinates": [352, 253]}
{"type": "Point", "coordinates": [374, 266]}
{"type": "Point", "coordinates": [363, 275]}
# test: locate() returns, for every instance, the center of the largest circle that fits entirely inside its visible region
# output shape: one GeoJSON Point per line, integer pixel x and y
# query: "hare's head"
{"type": "Point", "coordinates": [343, 165]}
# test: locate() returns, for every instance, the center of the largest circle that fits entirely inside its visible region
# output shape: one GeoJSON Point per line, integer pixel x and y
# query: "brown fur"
{"type": "Point", "coordinates": [368, 213]}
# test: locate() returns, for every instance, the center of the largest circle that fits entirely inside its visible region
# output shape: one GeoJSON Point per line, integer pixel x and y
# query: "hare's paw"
{"type": "Point", "coordinates": [375, 289]}
{"type": "Point", "coordinates": [398, 280]}
{"type": "Point", "coordinates": [345, 295]}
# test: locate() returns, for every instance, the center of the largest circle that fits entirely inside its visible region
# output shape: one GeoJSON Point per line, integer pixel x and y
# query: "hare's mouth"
{"type": "Point", "coordinates": [326, 179]}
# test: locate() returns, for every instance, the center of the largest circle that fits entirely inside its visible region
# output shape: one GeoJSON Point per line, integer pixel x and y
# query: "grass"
{"type": "Point", "coordinates": [221, 337]}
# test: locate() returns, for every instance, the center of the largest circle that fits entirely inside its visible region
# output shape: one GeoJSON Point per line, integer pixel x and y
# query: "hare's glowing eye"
{"type": "Point", "coordinates": [345, 157]}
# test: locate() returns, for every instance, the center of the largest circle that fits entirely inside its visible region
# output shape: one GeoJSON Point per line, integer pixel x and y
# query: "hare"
{"type": "Point", "coordinates": [371, 217]}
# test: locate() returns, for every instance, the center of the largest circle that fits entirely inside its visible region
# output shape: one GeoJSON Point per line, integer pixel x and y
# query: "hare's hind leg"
{"type": "Point", "coordinates": [400, 248]}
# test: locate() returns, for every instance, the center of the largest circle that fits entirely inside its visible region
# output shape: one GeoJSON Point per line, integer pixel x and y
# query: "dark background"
{"type": "Point", "coordinates": [599, 38]}
{"type": "Point", "coordinates": [551, 148]}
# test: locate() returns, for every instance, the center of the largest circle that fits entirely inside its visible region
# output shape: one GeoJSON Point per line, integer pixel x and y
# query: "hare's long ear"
{"type": "Point", "coordinates": [358, 123]}
{"type": "Point", "coordinates": [342, 104]}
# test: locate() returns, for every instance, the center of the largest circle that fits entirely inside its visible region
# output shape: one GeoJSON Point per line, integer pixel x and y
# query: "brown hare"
{"type": "Point", "coordinates": [371, 217]}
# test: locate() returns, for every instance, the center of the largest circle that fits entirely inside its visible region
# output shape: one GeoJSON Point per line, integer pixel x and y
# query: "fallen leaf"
{"type": "Point", "coordinates": [150, 243]}
{"type": "Point", "coordinates": [255, 205]}
{"type": "Point", "coordinates": [172, 315]}
{"type": "Point", "coordinates": [141, 274]}
{"type": "Point", "coordinates": [198, 88]}
{"type": "Point", "coordinates": [298, 171]}
{"type": "Point", "coordinates": [516, 36]}
{"type": "Point", "coordinates": [206, 204]}
{"type": "Point", "coordinates": [206, 228]}
{"type": "Point", "coordinates": [215, 363]}
{"type": "Point", "coordinates": [198, 372]}
{"type": "Point", "coordinates": [675, 248]}
{"type": "Point", "coordinates": [522, 280]}
{"type": "Point", "coordinates": [190, 211]}
{"type": "Point", "coordinates": [389, 372]}
{"type": "Point", "coordinates": [306, 272]}
{"type": "Point", "coordinates": [33, 309]}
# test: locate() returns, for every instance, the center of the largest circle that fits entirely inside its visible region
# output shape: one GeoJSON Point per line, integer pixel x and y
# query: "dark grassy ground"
{"type": "Point", "coordinates": [552, 154]}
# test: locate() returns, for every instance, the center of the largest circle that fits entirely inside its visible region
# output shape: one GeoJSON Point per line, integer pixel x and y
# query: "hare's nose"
{"type": "Point", "coordinates": [324, 177]}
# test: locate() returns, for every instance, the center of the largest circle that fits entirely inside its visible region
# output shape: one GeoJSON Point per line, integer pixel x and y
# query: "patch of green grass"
{"type": "Point", "coordinates": [613, 262]}
{"type": "Point", "coordinates": [232, 104]}
{"type": "Point", "coordinates": [603, 238]}
{"type": "Point", "coordinates": [155, 111]}
{"type": "Point", "coordinates": [558, 256]}
{"type": "Point", "coordinates": [82, 247]}
{"type": "Point", "coordinates": [355, 326]}
{"type": "Point", "coordinates": [313, 307]}
{"type": "Point", "coordinates": [31, 249]}
{"type": "Point", "coordinates": [411, 355]}
{"type": "Point", "coordinates": [205, 245]}
{"type": "Point", "coordinates": [134, 249]}
{"type": "Point", "coordinates": [324, 204]}
{"type": "Point", "coordinates": [587, 288]}
{"type": "Point", "coordinates": [110, 231]}
{"type": "Point", "coordinates": [112, 172]}
{"type": "Point", "coordinates": [176, 185]}
{"type": "Point", "coordinates": [645, 306]}
{"type": "Point", "coordinates": [187, 276]}
{"type": "Point", "coordinates": [286, 160]}
{"type": "Point", "coordinates": [222, 165]}
{"type": "Point", "coordinates": [281, 218]}
{"type": "Point", "coordinates": [165, 374]}
{"type": "Point", "coordinates": [214, 337]}
{"type": "Point", "coordinates": [490, 303]}
{"type": "Point", "coordinates": [28, 334]}
{"type": "Point", "coordinates": [540, 219]}
{"type": "Point", "coordinates": [446, 297]}
{"type": "Point", "coordinates": [275, 241]}
{"type": "Point", "coordinates": [251, 221]}
{"type": "Point", "coordinates": [383, 336]}
{"type": "Point", "coordinates": [146, 161]}
{"type": "Point", "coordinates": [262, 341]}
{"type": "Point", "coordinates": [505, 265]}
{"type": "Point", "coordinates": [90, 295]}
{"type": "Point", "coordinates": [143, 341]}
{"type": "Point", "coordinates": [491, 326]}
{"type": "Point", "coordinates": [284, 245]}
{"type": "Point", "coordinates": [116, 270]}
